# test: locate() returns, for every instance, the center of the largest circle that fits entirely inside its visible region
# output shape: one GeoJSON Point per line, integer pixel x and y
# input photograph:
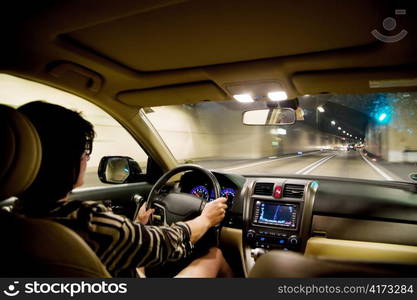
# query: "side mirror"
{"type": "Point", "coordinates": [273, 116]}
{"type": "Point", "coordinates": [413, 176]}
{"type": "Point", "coordinates": [119, 169]}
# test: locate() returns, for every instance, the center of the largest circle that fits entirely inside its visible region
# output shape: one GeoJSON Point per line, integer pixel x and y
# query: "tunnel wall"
{"type": "Point", "coordinates": [396, 141]}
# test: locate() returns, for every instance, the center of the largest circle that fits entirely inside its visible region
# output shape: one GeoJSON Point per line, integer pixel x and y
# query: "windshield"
{"type": "Point", "coordinates": [370, 136]}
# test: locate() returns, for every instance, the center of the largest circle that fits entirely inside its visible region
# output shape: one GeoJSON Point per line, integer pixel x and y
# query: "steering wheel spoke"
{"type": "Point", "coordinates": [159, 216]}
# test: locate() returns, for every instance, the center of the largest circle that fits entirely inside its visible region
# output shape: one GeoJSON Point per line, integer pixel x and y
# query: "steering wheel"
{"type": "Point", "coordinates": [175, 206]}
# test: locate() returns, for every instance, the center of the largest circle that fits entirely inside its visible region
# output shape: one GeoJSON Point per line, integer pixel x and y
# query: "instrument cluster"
{"type": "Point", "coordinates": [203, 192]}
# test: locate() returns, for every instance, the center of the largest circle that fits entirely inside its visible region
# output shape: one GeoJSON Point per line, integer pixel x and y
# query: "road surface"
{"type": "Point", "coordinates": [348, 164]}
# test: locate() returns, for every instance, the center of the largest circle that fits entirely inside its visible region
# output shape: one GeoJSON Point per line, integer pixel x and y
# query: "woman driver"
{"type": "Point", "coordinates": [122, 245]}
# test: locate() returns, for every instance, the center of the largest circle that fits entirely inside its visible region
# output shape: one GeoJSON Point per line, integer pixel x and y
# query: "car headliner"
{"type": "Point", "coordinates": [123, 55]}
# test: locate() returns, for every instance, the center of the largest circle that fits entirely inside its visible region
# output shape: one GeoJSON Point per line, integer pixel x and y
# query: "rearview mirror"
{"type": "Point", "coordinates": [273, 116]}
{"type": "Point", "coordinates": [119, 169]}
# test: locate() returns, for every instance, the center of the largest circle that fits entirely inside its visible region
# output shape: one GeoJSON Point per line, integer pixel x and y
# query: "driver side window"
{"type": "Point", "coordinates": [111, 138]}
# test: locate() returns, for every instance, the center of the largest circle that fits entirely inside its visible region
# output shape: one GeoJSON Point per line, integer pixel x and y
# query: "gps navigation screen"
{"type": "Point", "coordinates": [276, 214]}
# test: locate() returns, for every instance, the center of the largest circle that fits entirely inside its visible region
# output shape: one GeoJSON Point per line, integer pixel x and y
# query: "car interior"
{"type": "Point", "coordinates": [126, 57]}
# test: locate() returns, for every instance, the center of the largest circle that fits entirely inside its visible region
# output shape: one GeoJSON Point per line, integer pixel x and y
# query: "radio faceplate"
{"type": "Point", "coordinates": [275, 218]}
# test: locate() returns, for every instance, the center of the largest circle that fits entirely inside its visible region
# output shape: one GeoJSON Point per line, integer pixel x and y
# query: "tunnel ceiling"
{"type": "Point", "coordinates": [351, 112]}
{"type": "Point", "coordinates": [350, 120]}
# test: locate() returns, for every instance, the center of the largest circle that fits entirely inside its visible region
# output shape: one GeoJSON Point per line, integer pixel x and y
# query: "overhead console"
{"type": "Point", "coordinates": [277, 216]}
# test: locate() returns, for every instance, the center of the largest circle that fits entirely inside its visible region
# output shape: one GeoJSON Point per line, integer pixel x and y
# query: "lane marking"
{"type": "Point", "coordinates": [312, 166]}
{"type": "Point", "coordinates": [319, 164]}
{"type": "Point", "coordinates": [379, 171]}
{"type": "Point", "coordinates": [265, 162]}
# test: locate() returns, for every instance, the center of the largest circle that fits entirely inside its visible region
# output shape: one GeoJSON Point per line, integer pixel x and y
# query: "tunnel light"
{"type": "Point", "coordinates": [333, 122]}
{"type": "Point", "coordinates": [382, 114]}
{"type": "Point", "coordinates": [277, 96]}
{"type": "Point", "coordinates": [281, 131]}
{"type": "Point", "coordinates": [244, 98]}
{"type": "Point", "coordinates": [278, 131]}
{"type": "Point", "coordinates": [382, 117]}
{"type": "Point", "coordinates": [320, 109]}
{"type": "Point", "coordinates": [339, 128]}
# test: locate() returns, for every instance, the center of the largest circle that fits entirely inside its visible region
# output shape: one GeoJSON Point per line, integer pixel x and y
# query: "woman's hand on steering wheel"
{"type": "Point", "coordinates": [214, 211]}
{"type": "Point", "coordinates": [211, 216]}
{"type": "Point", "coordinates": [144, 214]}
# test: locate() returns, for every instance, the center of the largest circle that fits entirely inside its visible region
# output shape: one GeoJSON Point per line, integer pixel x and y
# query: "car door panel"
{"type": "Point", "coordinates": [123, 198]}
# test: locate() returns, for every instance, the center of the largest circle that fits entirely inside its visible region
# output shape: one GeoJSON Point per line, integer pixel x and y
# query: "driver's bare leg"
{"type": "Point", "coordinates": [210, 265]}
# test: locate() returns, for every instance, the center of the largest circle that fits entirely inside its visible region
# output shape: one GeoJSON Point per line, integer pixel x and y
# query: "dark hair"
{"type": "Point", "coordinates": [64, 136]}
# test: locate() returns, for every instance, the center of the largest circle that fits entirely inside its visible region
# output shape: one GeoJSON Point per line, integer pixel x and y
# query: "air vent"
{"type": "Point", "coordinates": [294, 191]}
{"type": "Point", "coordinates": [264, 188]}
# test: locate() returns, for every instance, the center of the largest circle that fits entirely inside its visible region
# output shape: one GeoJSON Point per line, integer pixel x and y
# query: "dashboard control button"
{"type": "Point", "coordinates": [262, 239]}
{"type": "Point", "coordinates": [293, 240]}
{"type": "Point", "coordinates": [250, 234]}
{"type": "Point", "coordinates": [278, 191]}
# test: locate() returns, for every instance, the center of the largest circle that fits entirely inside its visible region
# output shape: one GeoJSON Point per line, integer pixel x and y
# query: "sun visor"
{"type": "Point", "coordinates": [350, 82]}
{"type": "Point", "coordinates": [171, 95]}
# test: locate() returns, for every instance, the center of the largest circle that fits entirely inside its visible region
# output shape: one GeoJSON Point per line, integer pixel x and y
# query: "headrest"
{"type": "Point", "coordinates": [20, 152]}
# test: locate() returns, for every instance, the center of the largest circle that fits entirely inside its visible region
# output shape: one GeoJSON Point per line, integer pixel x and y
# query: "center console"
{"type": "Point", "coordinates": [274, 225]}
{"type": "Point", "coordinates": [277, 216]}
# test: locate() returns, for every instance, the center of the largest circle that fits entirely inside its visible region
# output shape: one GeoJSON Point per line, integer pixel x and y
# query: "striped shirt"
{"type": "Point", "coordinates": [121, 244]}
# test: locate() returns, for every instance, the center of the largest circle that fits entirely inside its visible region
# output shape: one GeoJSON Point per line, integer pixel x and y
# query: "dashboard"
{"type": "Point", "coordinates": [273, 213]}
{"type": "Point", "coordinates": [329, 217]}
{"type": "Point", "coordinates": [303, 213]}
